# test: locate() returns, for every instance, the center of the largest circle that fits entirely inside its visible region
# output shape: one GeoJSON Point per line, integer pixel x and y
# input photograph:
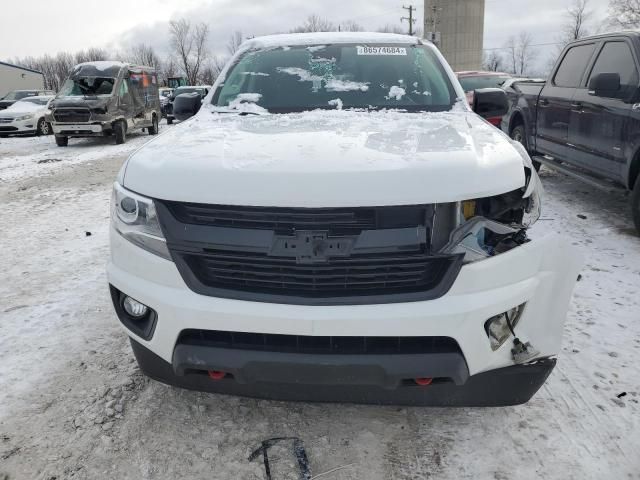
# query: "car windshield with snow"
{"type": "Point", "coordinates": [336, 223]}
{"type": "Point", "coordinates": [290, 79]}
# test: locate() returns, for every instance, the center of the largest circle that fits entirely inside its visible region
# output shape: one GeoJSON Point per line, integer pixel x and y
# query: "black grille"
{"type": "Point", "coordinates": [318, 345]}
{"type": "Point", "coordinates": [72, 115]}
{"type": "Point", "coordinates": [337, 221]}
{"type": "Point", "coordinates": [362, 275]}
{"type": "Point", "coordinates": [365, 255]}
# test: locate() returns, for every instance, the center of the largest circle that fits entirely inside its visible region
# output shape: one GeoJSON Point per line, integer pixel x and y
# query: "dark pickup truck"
{"type": "Point", "coordinates": [585, 119]}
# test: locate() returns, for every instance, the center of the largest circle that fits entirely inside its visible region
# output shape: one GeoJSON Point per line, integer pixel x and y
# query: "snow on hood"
{"type": "Point", "coordinates": [327, 159]}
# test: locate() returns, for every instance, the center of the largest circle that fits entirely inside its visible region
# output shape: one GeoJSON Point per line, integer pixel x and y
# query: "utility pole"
{"type": "Point", "coordinates": [433, 35]}
{"type": "Point", "coordinates": [410, 18]}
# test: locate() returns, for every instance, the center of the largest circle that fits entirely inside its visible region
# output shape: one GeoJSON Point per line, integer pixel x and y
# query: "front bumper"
{"type": "Point", "coordinates": [540, 274]}
{"type": "Point", "coordinates": [19, 127]}
{"type": "Point", "coordinates": [79, 129]}
{"type": "Point", "coordinates": [512, 385]}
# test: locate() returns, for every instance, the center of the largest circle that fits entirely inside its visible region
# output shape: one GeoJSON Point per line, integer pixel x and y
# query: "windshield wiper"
{"type": "Point", "coordinates": [237, 112]}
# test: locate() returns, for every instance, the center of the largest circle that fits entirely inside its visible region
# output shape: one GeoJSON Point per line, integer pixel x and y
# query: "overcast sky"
{"type": "Point", "coordinates": [35, 27]}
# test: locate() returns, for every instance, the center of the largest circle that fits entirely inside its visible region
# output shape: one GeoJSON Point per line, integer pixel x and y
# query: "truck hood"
{"type": "Point", "coordinates": [326, 159]}
{"type": "Point", "coordinates": [78, 101]}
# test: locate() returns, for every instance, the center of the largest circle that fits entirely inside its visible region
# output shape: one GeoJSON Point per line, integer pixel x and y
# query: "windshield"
{"type": "Point", "coordinates": [86, 86]}
{"type": "Point", "coordinates": [17, 95]}
{"type": "Point", "coordinates": [487, 81]}
{"type": "Point", "coordinates": [303, 78]}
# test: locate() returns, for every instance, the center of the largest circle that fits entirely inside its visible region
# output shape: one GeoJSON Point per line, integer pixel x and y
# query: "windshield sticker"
{"type": "Point", "coordinates": [382, 50]}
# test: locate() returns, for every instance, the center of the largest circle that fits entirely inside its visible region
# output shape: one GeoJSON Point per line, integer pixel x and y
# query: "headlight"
{"type": "Point", "coordinates": [134, 217]}
{"type": "Point", "coordinates": [22, 118]}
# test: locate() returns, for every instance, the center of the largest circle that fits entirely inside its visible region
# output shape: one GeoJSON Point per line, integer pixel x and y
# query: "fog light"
{"type": "Point", "coordinates": [498, 329]}
{"type": "Point", "coordinates": [134, 308]}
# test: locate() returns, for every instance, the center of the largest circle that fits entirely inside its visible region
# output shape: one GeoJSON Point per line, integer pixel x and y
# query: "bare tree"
{"type": "Point", "coordinates": [143, 54]}
{"type": "Point", "coordinates": [351, 26]}
{"type": "Point", "coordinates": [511, 48]}
{"type": "Point", "coordinates": [576, 26]}
{"type": "Point", "coordinates": [234, 42]}
{"type": "Point", "coordinates": [189, 44]}
{"type": "Point", "coordinates": [54, 68]}
{"type": "Point", "coordinates": [493, 61]}
{"type": "Point", "coordinates": [520, 53]}
{"type": "Point", "coordinates": [92, 54]}
{"type": "Point", "coordinates": [624, 13]}
{"type": "Point", "coordinates": [315, 23]}
{"type": "Point", "coordinates": [388, 28]}
{"type": "Point", "coordinates": [526, 53]}
{"type": "Point", "coordinates": [577, 17]}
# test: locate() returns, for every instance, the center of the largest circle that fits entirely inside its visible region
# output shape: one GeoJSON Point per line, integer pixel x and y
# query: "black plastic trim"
{"type": "Point", "coordinates": [143, 328]}
{"type": "Point", "coordinates": [188, 241]}
{"type": "Point", "coordinates": [513, 385]}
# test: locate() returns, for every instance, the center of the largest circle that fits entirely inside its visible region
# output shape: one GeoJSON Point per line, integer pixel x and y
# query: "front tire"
{"type": "Point", "coordinates": [43, 127]}
{"type": "Point", "coordinates": [635, 205]}
{"type": "Point", "coordinates": [154, 128]}
{"type": "Point", "coordinates": [520, 135]}
{"type": "Point", "coordinates": [120, 132]}
{"type": "Point", "coordinates": [62, 141]}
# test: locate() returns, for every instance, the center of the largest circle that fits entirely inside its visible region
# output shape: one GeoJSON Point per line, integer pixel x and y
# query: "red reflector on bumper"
{"type": "Point", "coordinates": [423, 382]}
{"type": "Point", "coordinates": [216, 375]}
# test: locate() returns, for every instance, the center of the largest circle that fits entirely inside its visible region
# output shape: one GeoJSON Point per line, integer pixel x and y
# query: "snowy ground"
{"type": "Point", "coordinates": [74, 405]}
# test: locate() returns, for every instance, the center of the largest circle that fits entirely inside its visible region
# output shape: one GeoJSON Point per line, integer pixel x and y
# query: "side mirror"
{"type": "Point", "coordinates": [490, 102]}
{"type": "Point", "coordinates": [605, 85]}
{"type": "Point", "coordinates": [186, 105]}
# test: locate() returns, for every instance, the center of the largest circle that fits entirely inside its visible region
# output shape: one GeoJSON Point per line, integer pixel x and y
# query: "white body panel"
{"type": "Point", "coordinates": [541, 273]}
{"type": "Point", "coordinates": [326, 159]}
{"type": "Point", "coordinates": [346, 159]}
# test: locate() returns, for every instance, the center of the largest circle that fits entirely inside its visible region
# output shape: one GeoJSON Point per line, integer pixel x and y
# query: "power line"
{"type": "Point", "coordinates": [531, 45]}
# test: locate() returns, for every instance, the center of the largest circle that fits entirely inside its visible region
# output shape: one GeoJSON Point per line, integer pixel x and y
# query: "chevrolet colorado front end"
{"type": "Point", "coordinates": [337, 224]}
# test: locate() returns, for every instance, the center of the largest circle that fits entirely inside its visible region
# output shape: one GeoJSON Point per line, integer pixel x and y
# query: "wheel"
{"type": "Point", "coordinates": [635, 205]}
{"type": "Point", "coordinates": [519, 135]}
{"type": "Point", "coordinates": [153, 129]}
{"type": "Point", "coordinates": [43, 128]}
{"type": "Point", "coordinates": [62, 141]}
{"type": "Point", "coordinates": [120, 132]}
{"type": "Point", "coordinates": [169, 120]}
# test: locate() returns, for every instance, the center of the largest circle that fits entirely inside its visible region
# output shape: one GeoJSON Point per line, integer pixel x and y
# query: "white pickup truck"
{"type": "Point", "coordinates": [337, 224]}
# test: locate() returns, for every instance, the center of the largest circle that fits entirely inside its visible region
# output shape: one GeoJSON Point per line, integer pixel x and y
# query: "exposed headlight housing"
{"type": "Point", "coordinates": [498, 329]}
{"type": "Point", "coordinates": [134, 217]}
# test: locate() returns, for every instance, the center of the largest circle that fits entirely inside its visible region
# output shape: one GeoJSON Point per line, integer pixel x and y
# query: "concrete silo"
{"type": "Point", "coordinates": [457, 28]}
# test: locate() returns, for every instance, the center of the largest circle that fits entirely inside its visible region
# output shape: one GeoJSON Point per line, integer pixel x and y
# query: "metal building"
{"type": "Point", "coordinates": [14, 77]}
{"type": "Point", "coordinates": [457, 28]}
